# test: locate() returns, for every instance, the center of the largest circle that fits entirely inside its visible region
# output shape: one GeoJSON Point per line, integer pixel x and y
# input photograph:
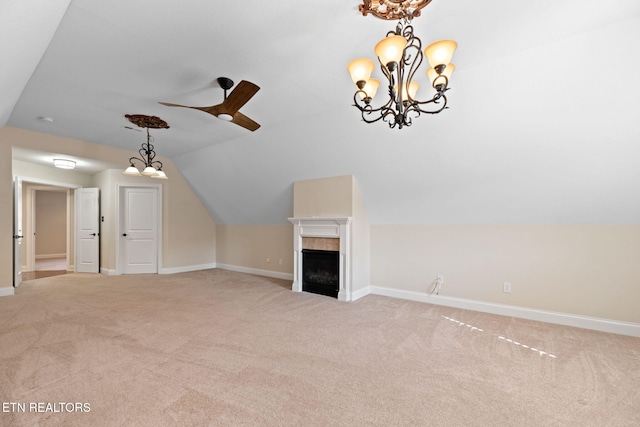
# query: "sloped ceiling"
{"type": "Point", "coordinates": [543, 124]}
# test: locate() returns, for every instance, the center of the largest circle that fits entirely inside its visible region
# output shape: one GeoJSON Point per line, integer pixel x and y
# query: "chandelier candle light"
{"type": "Point", "coordinates": [400, 55]}
{"type": "Point", "coordinates": [152, 168]}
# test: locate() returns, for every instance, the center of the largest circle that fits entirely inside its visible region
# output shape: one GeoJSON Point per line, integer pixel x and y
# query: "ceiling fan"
{"type": "Point", "coordinates": [228, 109]}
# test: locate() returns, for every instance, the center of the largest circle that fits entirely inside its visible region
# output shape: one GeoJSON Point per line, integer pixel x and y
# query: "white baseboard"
{"type": "Point", "coordinates": [185, 269]}
{"type": "Point", "coordinates": [171, 270]}
{"type": "Point", "coordinates": [51, 256]}
{"type": "Point", "coordinates": [8, 291]}
{"type": "Point", "coordinates": [593, 323]}
{"type": "Point", "coordinates": [258, 272]}
{"type": "Point", "coordinates": [356, 295]}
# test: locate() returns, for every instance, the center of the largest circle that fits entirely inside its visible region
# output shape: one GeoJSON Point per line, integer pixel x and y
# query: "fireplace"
{"type": "Point", "coordinates": [325, 235]}
{"type": "Point", "coordinates": [320, 272]}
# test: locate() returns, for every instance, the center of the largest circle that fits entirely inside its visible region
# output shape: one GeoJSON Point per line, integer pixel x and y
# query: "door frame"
{"type": "Point", "coordinates": [120, 188]}
{"type": "Point", "coordinates": [28, 225]}
{"type": "Point", "coordinates": [30, 221]}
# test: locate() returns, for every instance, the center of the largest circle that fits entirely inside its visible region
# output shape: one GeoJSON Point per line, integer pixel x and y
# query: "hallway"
{"type": "Point", "coordinates": [46, 268]}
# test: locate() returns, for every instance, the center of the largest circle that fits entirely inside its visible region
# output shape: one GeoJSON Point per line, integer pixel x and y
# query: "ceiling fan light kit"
{"type": "Point", "coordinates": [228, 110]}
{"type": "Point", "coordinates": [400, 55]}
{"type": "Point", "coordinates": [151, 168]}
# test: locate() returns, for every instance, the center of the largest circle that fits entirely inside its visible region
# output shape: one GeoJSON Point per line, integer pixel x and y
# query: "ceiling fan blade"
{"type": "Point", "coordinates": [168, 104]}
{"type": "Point", "coordinates": [213, 110]}
{"type": "Point", "coordinates": [239, 96]}
{"type": "Point", "coordinates": [244, 121]}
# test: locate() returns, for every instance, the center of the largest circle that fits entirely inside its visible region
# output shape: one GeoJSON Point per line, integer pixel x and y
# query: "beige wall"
{"type": "Point", "coordinates": [325, 197]}
{"type": "Point", "coordinates": [6, 215]}
{"type": "Point", "coordinates": [589, 270]}
{"type": "Point", "coordinates": [51, 223]}
{"type": "Point", "coordinates": [188, 229]}
{"type": "Point", "coordinates": [40, 172]}
{"type": "Point", "coordinates": [250, 245]}
{"type": "Point", "coordinates": [360, 241]}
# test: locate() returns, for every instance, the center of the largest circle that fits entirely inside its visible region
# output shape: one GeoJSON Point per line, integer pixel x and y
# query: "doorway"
{"type": "Point", "coordinates": [47, 219]}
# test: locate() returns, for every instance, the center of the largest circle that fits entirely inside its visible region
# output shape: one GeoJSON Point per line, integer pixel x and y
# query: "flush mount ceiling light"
{"type": "Point", "coordinates": [151, 167]}
{"type": "Point", "coordinates": [400, 55]}
{"type": "Point", "coordinates": [64, 164]}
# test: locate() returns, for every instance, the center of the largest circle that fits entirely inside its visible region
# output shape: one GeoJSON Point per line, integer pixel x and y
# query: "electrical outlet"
{"type": "Point", "coordinates": [506, 287]}
{"type": "Point", "coordinates": [280, 261]}
{"type": "Point", "coordinates": [268, 260]}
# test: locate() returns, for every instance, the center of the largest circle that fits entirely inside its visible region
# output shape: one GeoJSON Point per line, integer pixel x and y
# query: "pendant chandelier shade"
{"type": "Point", "coordinates": [390, 49]}
{"type": "Point", "coordinates": [150, 167]}
{"type": "Point", "coordinates": [360, 69]}
{"type": "Point", "coordinates": [400, 54]}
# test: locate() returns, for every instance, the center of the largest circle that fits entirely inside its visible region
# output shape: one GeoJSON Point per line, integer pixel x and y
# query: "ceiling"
{"type": "Point", "coordinates": [543, 124]}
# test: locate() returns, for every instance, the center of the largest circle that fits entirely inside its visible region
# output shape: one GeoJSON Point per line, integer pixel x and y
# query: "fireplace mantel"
{"type": "Point", "coordinates": [335, 227]}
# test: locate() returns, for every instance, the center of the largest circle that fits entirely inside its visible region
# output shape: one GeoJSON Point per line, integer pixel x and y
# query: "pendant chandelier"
{"type": "Point", "coordinates": [400, 55]}
{"type": "Point", "coordinates": [150, 167]}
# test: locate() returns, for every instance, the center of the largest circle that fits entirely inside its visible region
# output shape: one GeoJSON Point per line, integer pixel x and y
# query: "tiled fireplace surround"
{"type": "Point", "coordinates": [324, 234]}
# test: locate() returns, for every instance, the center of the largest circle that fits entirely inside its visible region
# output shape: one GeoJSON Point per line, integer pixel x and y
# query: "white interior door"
{"type": "Point", "coordinates": [17, 232]}
{"type": "Point", "coordinates": [87, 230]}
{"type": "Point", "coordinates": [139, 230]}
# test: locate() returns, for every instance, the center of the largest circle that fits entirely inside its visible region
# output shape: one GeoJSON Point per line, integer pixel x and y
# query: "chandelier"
{"type": "Point", "coordinates": [151, 167]}
{"type": "Point", "coordinates": [400, 55]}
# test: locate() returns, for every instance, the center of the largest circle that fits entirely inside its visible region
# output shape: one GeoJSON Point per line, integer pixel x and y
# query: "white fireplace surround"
{"type": "Point", "coordinates": [339, 228]}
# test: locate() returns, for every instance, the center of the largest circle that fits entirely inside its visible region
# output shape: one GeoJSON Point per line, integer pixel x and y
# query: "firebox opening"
{"type": "Point", "coordinates": [320, 272]}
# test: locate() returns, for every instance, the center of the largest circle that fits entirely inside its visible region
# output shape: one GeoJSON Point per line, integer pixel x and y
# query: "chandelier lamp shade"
{"type": "Point", "coordinates": [150, 167]}
{"type": "Point", "coordinates": [399, 57]}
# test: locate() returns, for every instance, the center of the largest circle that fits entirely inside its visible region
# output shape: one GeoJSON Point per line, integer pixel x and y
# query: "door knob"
{"type": "Point", "coordinates": [92, 234]}
{"type": "Point", "coordinates": [124, 234]}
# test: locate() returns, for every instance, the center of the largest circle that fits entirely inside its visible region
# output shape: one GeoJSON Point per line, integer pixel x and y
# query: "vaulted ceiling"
{"type": "Point", "coordinates": [543, 124]}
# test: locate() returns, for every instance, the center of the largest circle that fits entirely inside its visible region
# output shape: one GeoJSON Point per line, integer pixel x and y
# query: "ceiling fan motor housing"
{"type": "Point", "coordinates": [225, 83]}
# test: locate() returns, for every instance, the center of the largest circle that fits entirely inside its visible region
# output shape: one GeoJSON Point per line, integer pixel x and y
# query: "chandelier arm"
{"type": "Point", "coordinates": [151, 154]}
{"type": "Point", "coordinates": [143, 154]}
{"type": "Point", "coordinates": [366, 120]}
{"type": "Point", "coordinates": [366, 107]}
{"type": "Point", "coordinates": [367, 110]}
{"type": "Point", "coordinates": [412, 65]}
{"type": "Point", "coordinates": [441, 87]}
{"type": "Point", "coordinates": [132, 159]}
{"type": "Point", "coordinates": [435, 100]}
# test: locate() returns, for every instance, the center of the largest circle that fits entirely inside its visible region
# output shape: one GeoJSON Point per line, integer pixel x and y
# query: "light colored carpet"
{"type": "Point", "coordinates": [222, 348]}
